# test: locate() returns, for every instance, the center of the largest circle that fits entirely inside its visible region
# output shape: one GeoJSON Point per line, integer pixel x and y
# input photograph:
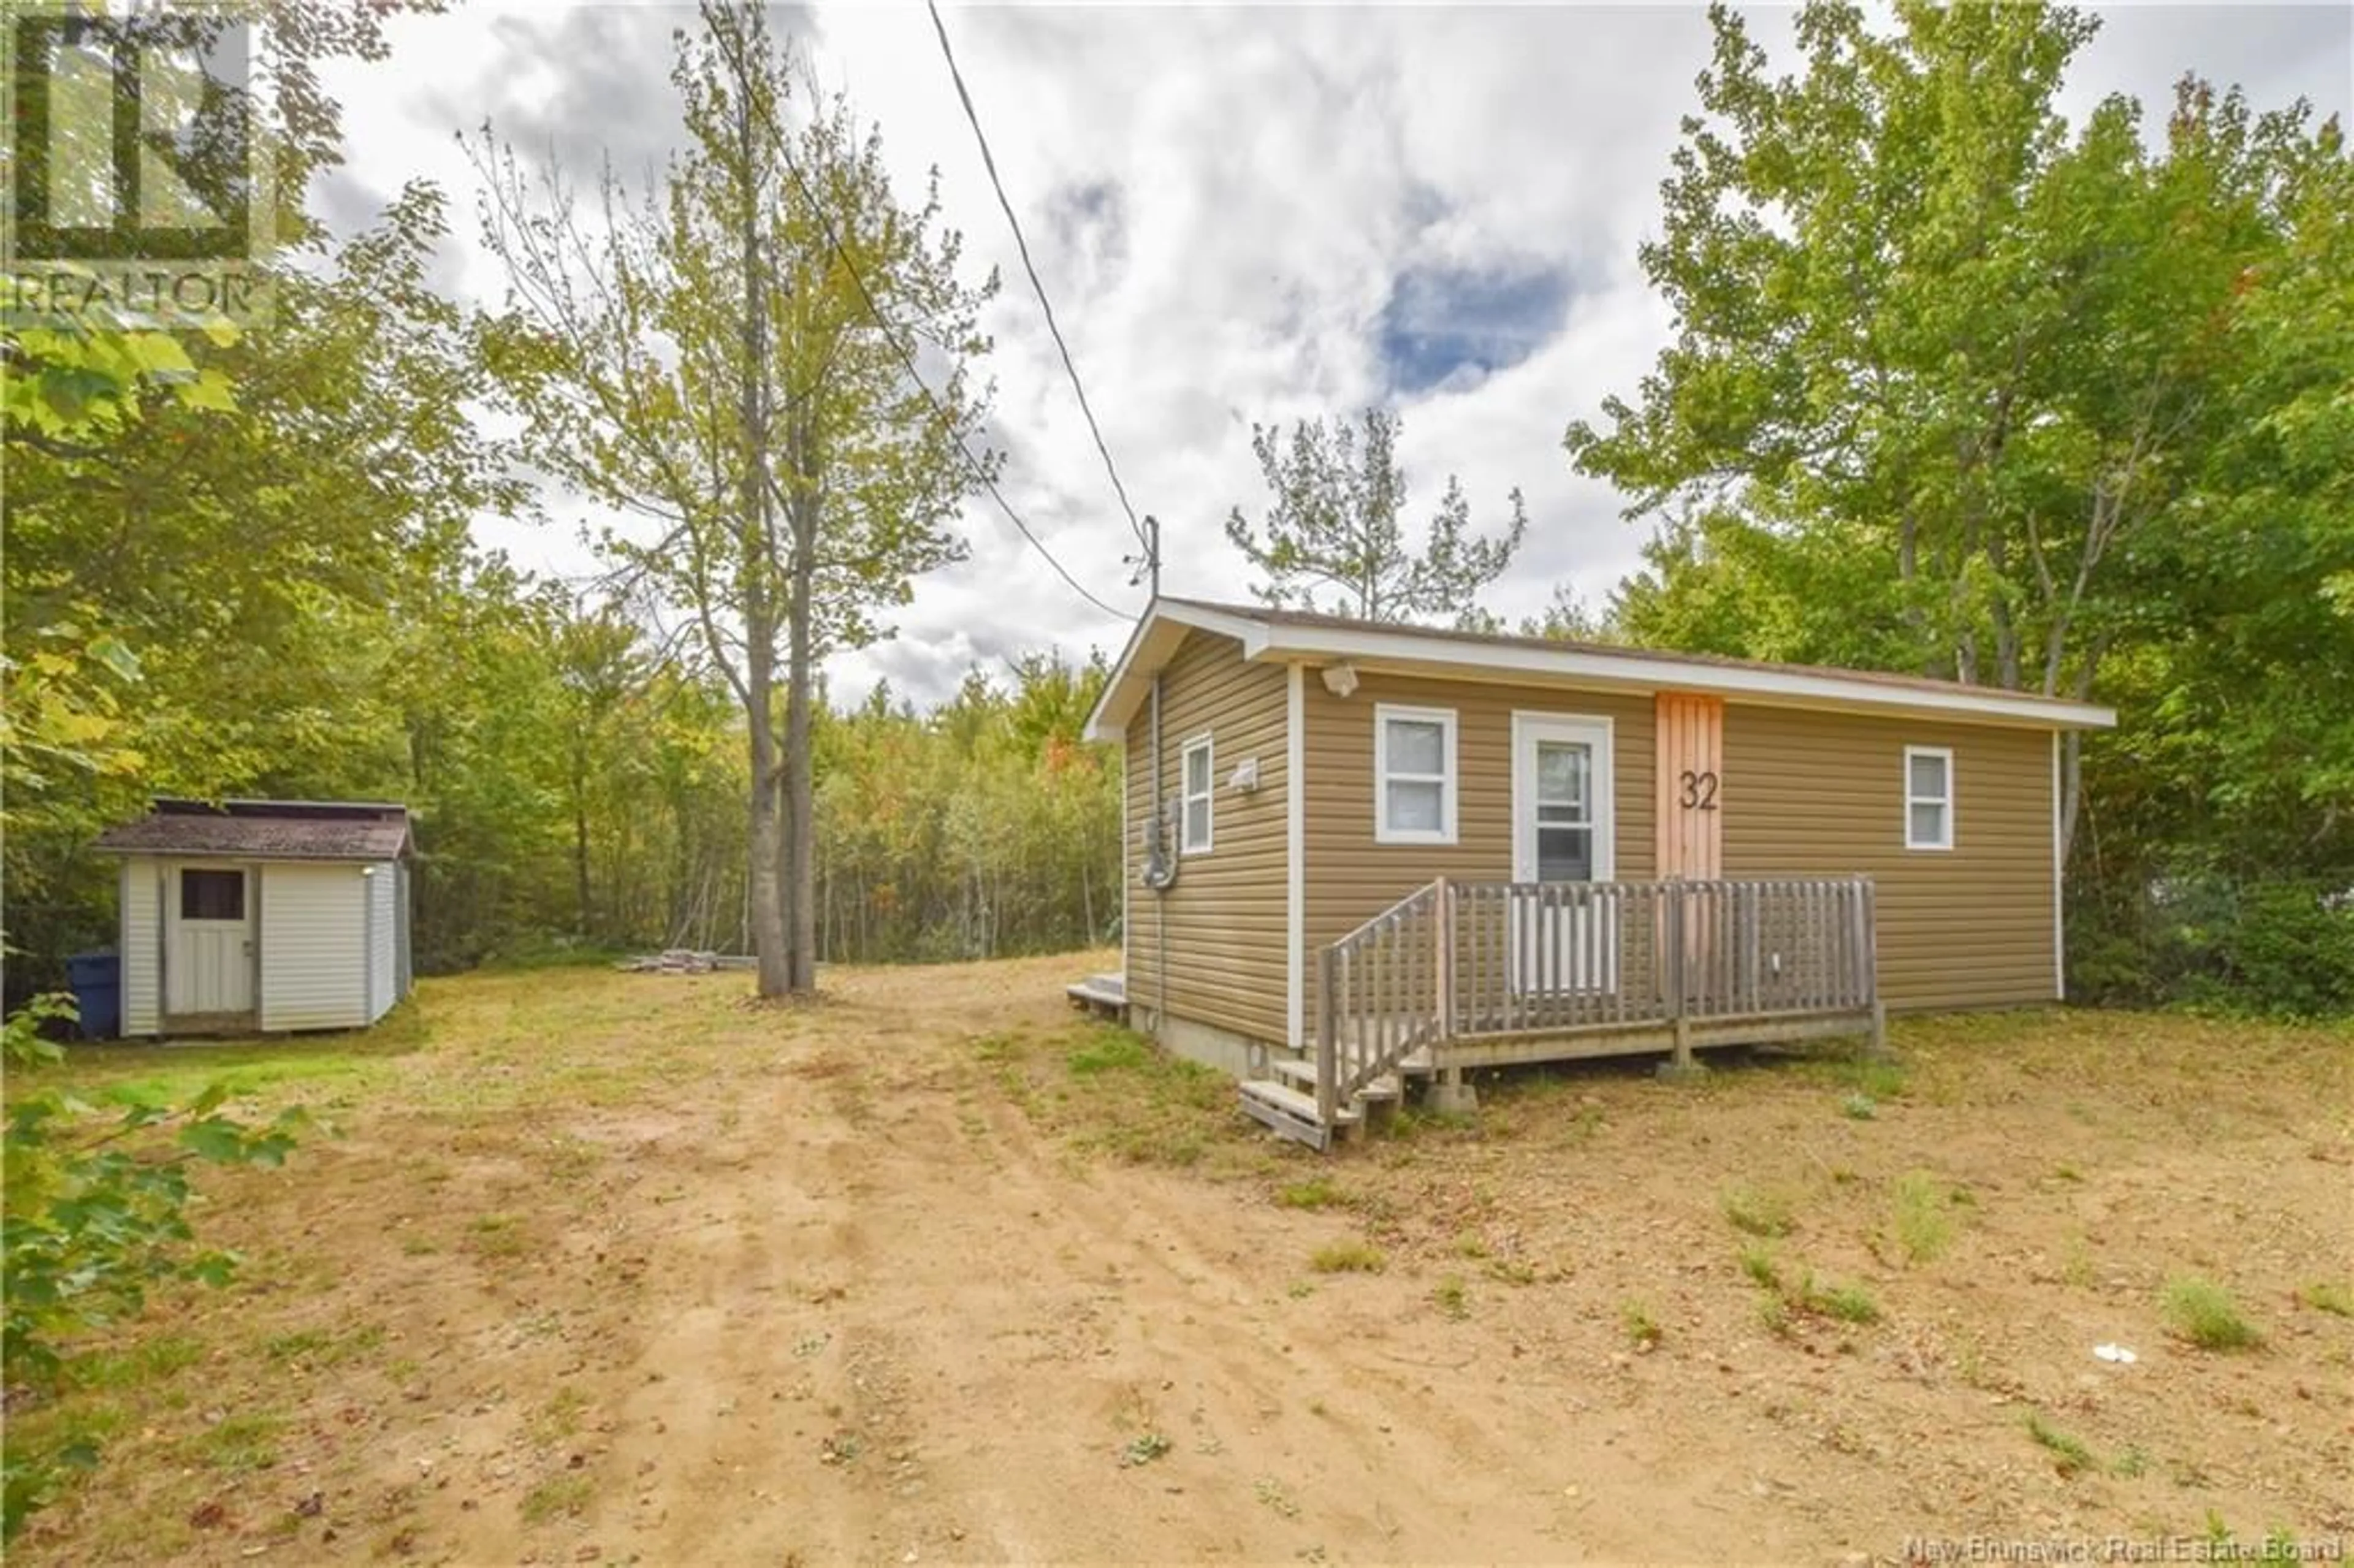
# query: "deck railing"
{"type": "Point", "coordinates": [1482, 961]}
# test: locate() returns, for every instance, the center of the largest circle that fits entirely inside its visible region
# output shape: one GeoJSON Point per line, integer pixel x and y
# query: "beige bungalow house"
{"type": "Point", "coordinates": [1357, 852]}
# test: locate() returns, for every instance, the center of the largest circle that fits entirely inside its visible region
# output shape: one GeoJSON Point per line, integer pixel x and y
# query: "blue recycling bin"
{"type": "Point", "coordinates": [96, 979]}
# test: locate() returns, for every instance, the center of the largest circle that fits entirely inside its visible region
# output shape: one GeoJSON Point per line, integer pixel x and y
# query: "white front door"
{"type": "Point", "coordinates": [1564, 832]}
{"type": "Point", "coordinates": [208, 957]}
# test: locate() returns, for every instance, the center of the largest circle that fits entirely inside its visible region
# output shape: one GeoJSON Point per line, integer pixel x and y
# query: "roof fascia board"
{"type": "Point", "coordinates": [1147, 650]}
{"type": "Point", "coordinates": [1634, 671]}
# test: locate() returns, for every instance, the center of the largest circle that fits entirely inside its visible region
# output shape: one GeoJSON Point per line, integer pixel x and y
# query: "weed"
{"type": "Point", "coordinates": [559, 1418]}
{"type": "Point", "coordinates": [2067, 1174]}
{"type": "Point", "coordinates": [1859, 1106]}
{"type": "Point", "coordinates": [1925, 1225]}
{"type": "Point", "coordinates": [1472, 1244]}
{"type": "Point", "coordinates": [2327, 1296]}
{"type": "Point", "coordinates": [1641, 1328]}
{"type": "Point", "coordinates": [1758, 1212]}
{"type": "Point", "coordinates": [1848, 1303]}
{"type": "Point", "coordinates": [1512, 1271]}
{"type": "Point", "coordinates": [1143, 1448]}
{"type": "Point", "coordinates": [558, 1497]}
{"type": "Point", "coordinates": [2068, 1455]}
{"type": "Point", "coordinates": [1300, 1289]}
{"type": "Point", "coordinates": [2203, 1312]}
{"type": "Point", "coordinates": [1274, 1495]}
{"type": "Point", "coordinates": [1350, 1256]}
{"type": "Point", "coordinates": [1450, 1298]}
{"type": "Point", "coordinates": [1757, 1262]}
{"type": "Point", "coordinates": [2131, 1464]}
{"type": "Point", "coordinates": [1317, 1192]}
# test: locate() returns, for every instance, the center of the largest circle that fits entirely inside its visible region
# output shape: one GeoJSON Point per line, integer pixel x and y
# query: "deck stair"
{"type": "Point", "coordinates": [1459, 975]}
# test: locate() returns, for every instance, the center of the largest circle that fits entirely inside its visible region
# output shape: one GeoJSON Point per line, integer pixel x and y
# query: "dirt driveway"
{"type": "Point", "coordinates": [618, 1269]}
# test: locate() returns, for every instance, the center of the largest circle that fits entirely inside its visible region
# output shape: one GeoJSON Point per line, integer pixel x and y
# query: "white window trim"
{"type": "Point", "coordinates": [1449, 782]}
{"type": "Point", "coordinates": [1208, 796]}
{"type": "Point", "coordinates": [1945, 754]}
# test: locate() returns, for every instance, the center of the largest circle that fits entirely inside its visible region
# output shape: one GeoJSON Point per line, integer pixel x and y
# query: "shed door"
{"type": "Point", "coordinates": [208, 952]}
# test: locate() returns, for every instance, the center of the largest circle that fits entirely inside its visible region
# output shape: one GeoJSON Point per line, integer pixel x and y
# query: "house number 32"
{"type": "Point", "coordinates": [1700, 791]}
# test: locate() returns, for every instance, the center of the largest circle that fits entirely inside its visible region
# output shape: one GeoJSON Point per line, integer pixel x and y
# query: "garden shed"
{"type": "Point", "coordinates": [264, 915]}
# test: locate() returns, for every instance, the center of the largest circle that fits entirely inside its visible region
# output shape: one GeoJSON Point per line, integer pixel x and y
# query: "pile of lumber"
{"type": "Point", "coordinates": [672, 961]}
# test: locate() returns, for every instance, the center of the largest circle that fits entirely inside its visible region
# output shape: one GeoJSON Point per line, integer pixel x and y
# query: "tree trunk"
{"type": "Point", "coordinates": [799, 867]}
{"type": "Point", "coordinates": [767, 915]}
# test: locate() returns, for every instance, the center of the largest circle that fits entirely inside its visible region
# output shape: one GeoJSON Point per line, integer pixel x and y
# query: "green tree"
{"type": "Point", "coordinates": [1958, 387]}
{"type": "Point", "coordinates": [1334, 528]}
{"type": "Point", "coordinates": [731, 360]}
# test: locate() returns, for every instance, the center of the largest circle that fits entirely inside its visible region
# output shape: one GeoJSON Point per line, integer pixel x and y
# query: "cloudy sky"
{"type": "Point", "coordinates": [1242, 214]}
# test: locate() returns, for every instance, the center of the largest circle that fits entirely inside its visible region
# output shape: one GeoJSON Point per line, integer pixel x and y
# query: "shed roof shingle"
{"type": "Point", "coordinates": [265, 829]}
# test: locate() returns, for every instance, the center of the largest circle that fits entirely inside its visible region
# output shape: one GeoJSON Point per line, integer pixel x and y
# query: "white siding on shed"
{"type": "Point", "coordinates": [138, 948]}
{"type": "Point", "coordinates": [384, 939]}
{"type": "Point", "coordinates": [313, 947]}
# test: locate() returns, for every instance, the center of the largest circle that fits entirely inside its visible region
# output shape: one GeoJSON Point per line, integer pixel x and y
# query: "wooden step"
{"type": "Point", "coordinates": [1299, 1070]}
{"type": "Point", "coordinates": [1291, 1113]}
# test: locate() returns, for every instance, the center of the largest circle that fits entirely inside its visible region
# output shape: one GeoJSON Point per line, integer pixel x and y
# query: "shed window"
{"type": "Point", "coordinates": [1193, 833]}
{"type": "Point", "coordinates": [1414, 774]}
{"type": "Point", "coordinates": [212, 896]}
{"type": "Point", "coordinates": [1928, 797]}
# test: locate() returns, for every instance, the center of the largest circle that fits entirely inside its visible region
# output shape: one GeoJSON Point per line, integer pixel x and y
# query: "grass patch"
{"type": "Point", "coordinates": [2069, 1457]}
{"type": "Point", "coordinates": [1923, 1220]}
{"type": "Point", "coordinates": [2203, 1312]}
{"type": "Point", "coordinates": [151, 1361]}
{"type": "Point", "coordinates": [497, 1236]}
{"type": "Point", "coordinates": [1317, 1192]}
{"type": "Point", "coordinates": [1110, 1091]}
{"type": "Point", "coordinates": [1643, 1331]}
{"type": "Point", "coordinates": [1352, 1257]}
{"type": "Point", "coordinates": [1450, 1298]}
{"type": "Point", "coordinates": [237, 1443]}
{"type": "Point", "coordinates": [558, 1497]}
{"type": "Point", "coordinates": [323, 1348]}
{"type": "Point", "coordinates": [2327, 1296]}
{"type": "Point", "coordinates": [1109, 1051]}
{"type": "Point", "coordinates": [1757, 1262]}
{"type": "Point", "coordinates": [1758, 1210]}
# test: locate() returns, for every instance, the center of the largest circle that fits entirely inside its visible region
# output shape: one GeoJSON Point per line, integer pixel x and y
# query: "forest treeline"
{"type": "Point", "coordinates": [1957, 387]}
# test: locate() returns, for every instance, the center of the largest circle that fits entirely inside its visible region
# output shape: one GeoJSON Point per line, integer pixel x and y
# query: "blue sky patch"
{"type": "Point", "coordinates": [1450, 324]}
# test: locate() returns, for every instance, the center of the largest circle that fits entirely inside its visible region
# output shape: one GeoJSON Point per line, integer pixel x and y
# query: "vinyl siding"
{"type": "Point", "coordinates": [384, 940]}
{"type": "Point", "coordinates": [141, 979]}
{"type": "Point", "coordinates": [1809, 792]}
{"type": "Point", "coordinates": [313, 947]}
{"type": "Point", "coordinates": [1226, 915]}
{"type": "Point", "coordinates": [1351, 878]}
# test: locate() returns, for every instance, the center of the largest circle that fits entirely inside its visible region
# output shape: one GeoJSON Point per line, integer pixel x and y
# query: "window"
{"type": "Point", "coordinates": [1199, 780]}
{"type": "Point", "coordinates": [1928, 797]}
{"type": "Point", "coordinates": [212, 896]}
{"type": "Point", "coordinates": [1414, 776]}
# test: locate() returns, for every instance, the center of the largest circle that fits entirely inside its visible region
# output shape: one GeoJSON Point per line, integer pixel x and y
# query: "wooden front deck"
{"type": "Point", "coordinates": [1462, 975]}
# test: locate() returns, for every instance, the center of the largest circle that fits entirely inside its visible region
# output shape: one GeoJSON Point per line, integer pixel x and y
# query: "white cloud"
{"type": "Point", "coordinates": [1220, 201]}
